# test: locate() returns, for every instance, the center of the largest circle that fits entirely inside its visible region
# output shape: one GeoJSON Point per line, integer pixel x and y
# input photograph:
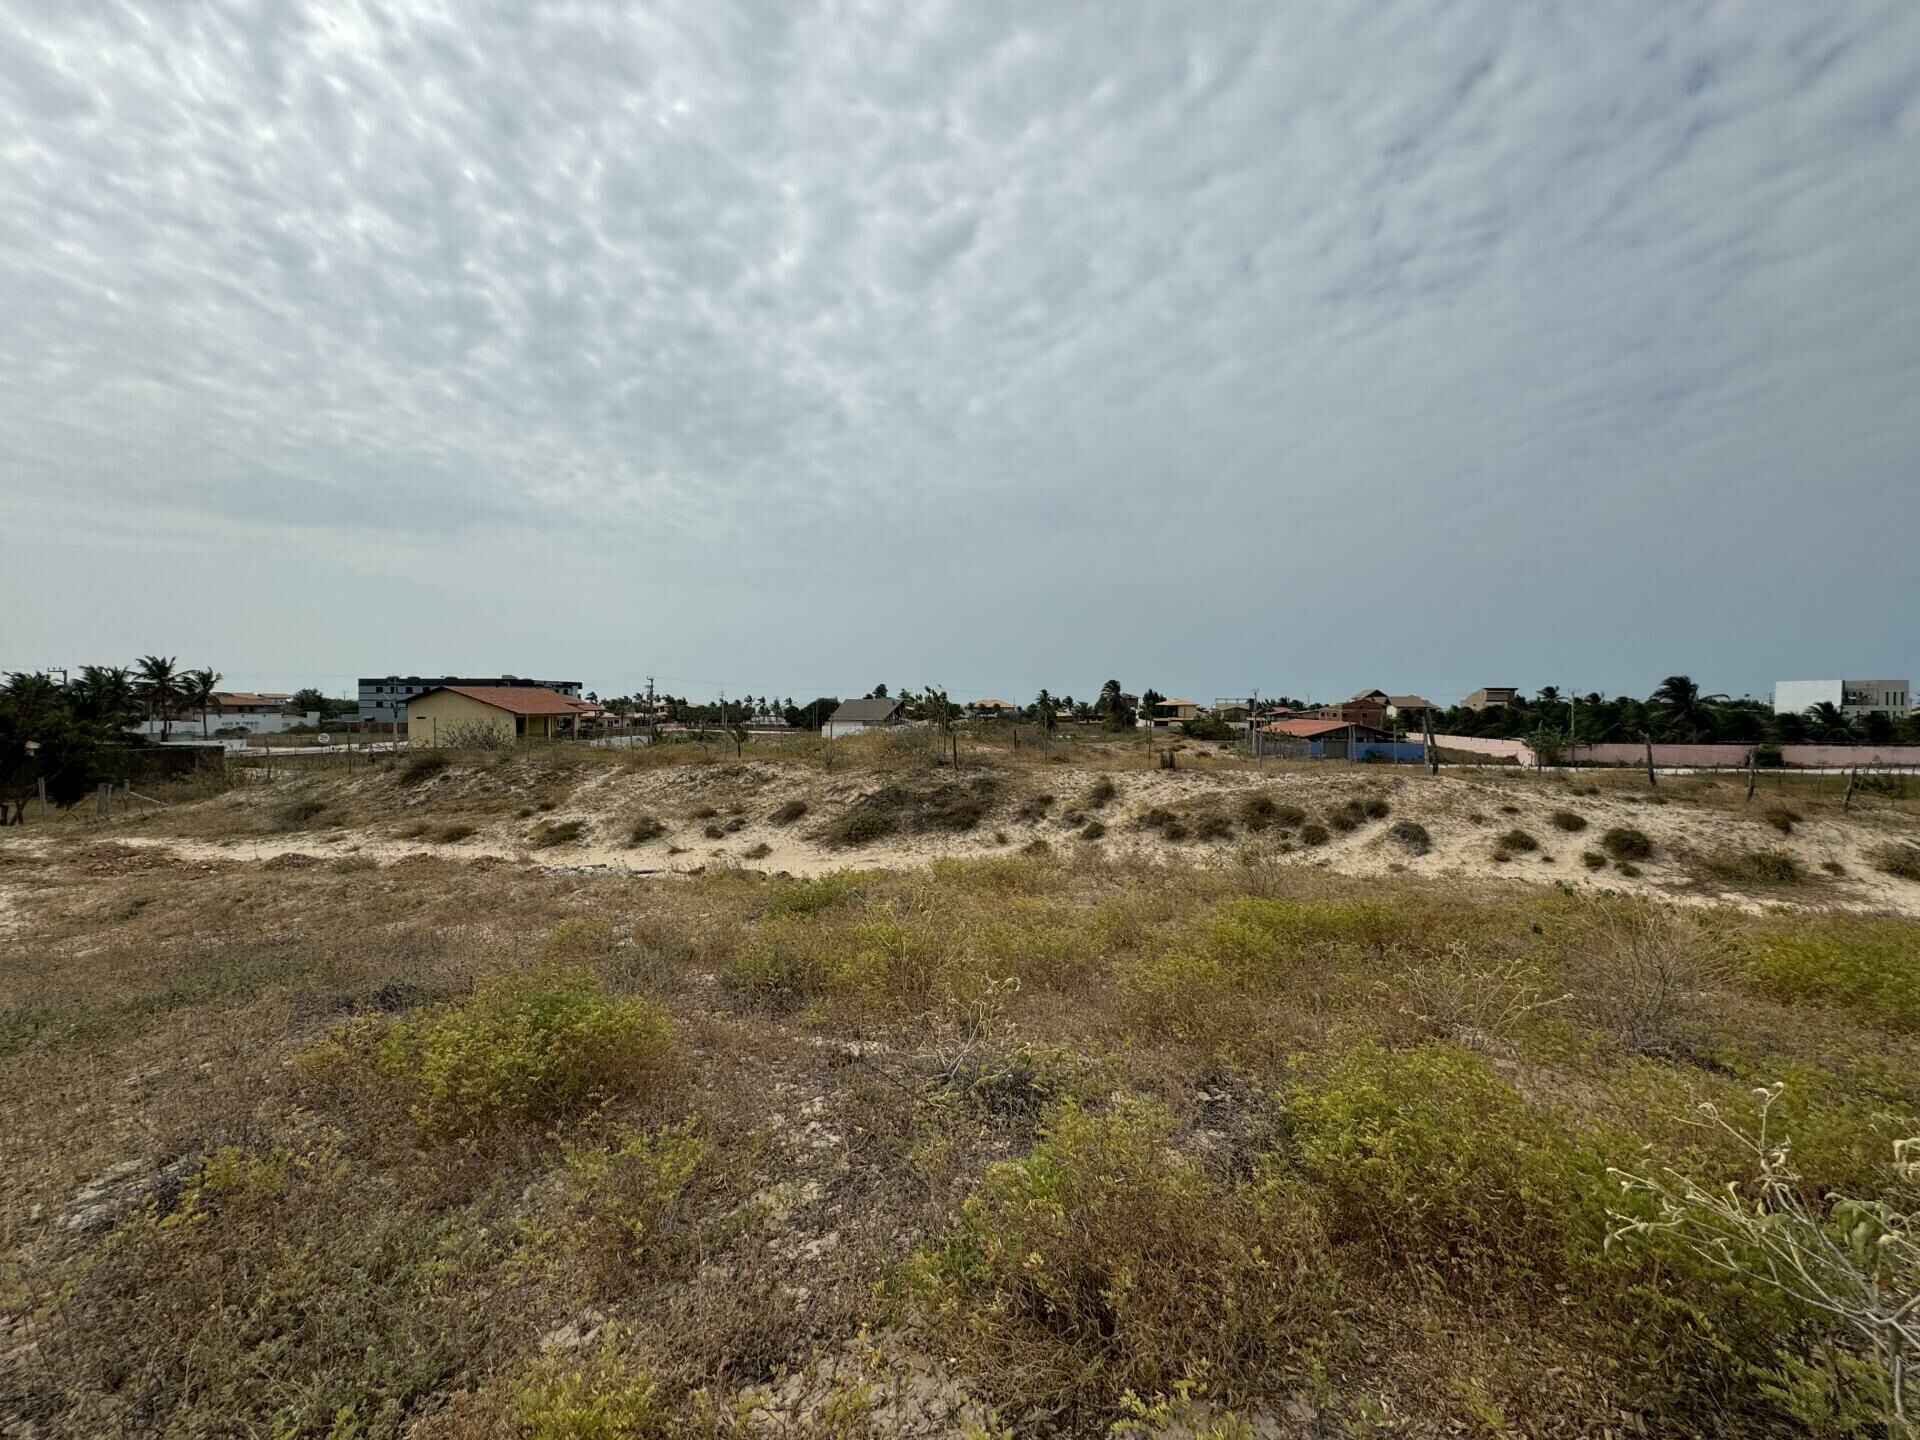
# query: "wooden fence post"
{"type": "Point", "coordinates": [1846, 801]}
{"type": "Point", "coordinates": [1652, 779]}
{"type": "Point", "coordinates": [1752, 775]}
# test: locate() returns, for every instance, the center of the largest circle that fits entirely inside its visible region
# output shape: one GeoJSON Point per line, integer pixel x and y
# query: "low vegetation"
{"type": "Point", "coordinates": [556, 832]}
{"type": "Point", "coordinates": [1568, 821]}
{"type": "Point", "coordinates": [1623, 842]}
{"type": "Point", "coordinates": [1178, 1137]}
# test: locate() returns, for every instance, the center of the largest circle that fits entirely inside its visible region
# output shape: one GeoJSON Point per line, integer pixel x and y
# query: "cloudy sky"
{"type": "Point", "coordinates": [795, 347]}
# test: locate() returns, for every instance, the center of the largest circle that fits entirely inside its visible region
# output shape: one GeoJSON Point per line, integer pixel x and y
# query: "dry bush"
{"type": "Point", "coordinates": [556, 832]}
{"type": "Point", "coordinates": [1593, 860]}
{"type": "Point", "coordinates": [1624, 842]}
{"type": "Point", "coordinates": [1568, 821]}
{"type": "Point", "coordinates": [757, 852]}
{"type": "Point", "coordinates": [1477, 1001]}
{"type": "Point", "coordinates": [1645, 972]}
{"type": "Point", "coordinates": [1093, 830]}
{"type": "Point", "coordinates": [453, 834]}
{"type": "Point", "coordinates": [1754, 867]}
{"type": "Point", "coordinates": [1781, 818]}
{"type": "Point", "coordinates": [297, 813]}
{"type": "Point", "coordinates": [1099, 794]}
{"type": "Point", "coordinates": [1314, 834]}
{"type": "Point", "coordinates": [1411, 835]}
{"type": "Point", "coordinates": [1901, 861]}
{"type": "Point", "coordinates": [788, 811]}
{"type": "Point", "coordinates": [644, 829]}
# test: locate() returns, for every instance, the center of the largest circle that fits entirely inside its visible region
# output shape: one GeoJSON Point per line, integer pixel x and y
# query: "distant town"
{"type": "Point", "coordinates": [65, 732]}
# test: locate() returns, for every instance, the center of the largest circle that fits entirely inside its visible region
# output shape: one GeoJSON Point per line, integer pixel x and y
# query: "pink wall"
{"type": "Point", "coordinates": [1825, 756]}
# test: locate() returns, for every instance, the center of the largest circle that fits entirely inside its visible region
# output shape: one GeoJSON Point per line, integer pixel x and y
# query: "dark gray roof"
{"type": "Point", "coordinates": [866, 712]}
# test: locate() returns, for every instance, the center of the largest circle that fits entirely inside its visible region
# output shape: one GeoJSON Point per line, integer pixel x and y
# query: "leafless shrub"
{"type": "Point", "coordinates": [1476, 1001]}
{"type": "Point", "coordinates": [1648, 969]}
{"type": "Point", "coordinates": [473, 735]}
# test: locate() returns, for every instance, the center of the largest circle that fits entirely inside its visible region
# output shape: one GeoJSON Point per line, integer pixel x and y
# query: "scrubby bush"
{"type": "Point", "coordinates": [644, 829]}
{"type": "Point", "coordinates": [1781, 818]}
{"type": "Point", "coordinates": [715, 832]}
{"type": "Point", "coordinates": [527, 1047]}
{"type": "Point", "coordinates": [1436, 1167]}
{"type": "Point", "coordinates": [1212, 826]}
{"type": "Point", "coordinates": [1412, 835]}
{"type": "Point", "coordinates": [1347, 817]}
{"type": "Point", "coordinates": [1099, 794]}
{"type": "Point", "coordinates": [1568, 821]}
{"type": "Point", "coordinates": [453, 834]}
{"type": "Point", "coordinates": [788, 811]}
{"type": "Point", "coordinates": [1901, 861]}
{"type": "Point", "coordinates": [295, 814]}
{"type": "Point", "coordinates": [1755, 867]}
{"type": "Point", "coordinates": [1257, 810]}
{"type": "Point", "coordinates": [549, 833]}
{"type": "Point", "coordinates": [1093, 830]}
{"type": "Point", "coordinates": [1106, 1263]}
{"type": "Point", "coordinates": [1593, 860]}
{"type": "Point", "coordinates": [1870, 967]}
{"type": "Point", "coordinates": [1519, 842]}
{"type": "Point", "coordinates": [810, 897]}
{"type": "Point", "coordinates": [1375, 808]}
{"type": "Point", "coordinates": [1624, 842]}
{"type": "Point", "coordinates": [623, 1205]}
{"type": "Point", "coordinates": [704, 812]}
{"type": "Point", "coordinates": [1313, 833]}
{"type": "Point", "coordinates": [421, 766]}
{"type": "Point", "coordinates": [859, 826]}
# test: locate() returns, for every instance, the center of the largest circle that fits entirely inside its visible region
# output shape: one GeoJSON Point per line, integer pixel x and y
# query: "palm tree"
{"type": "Point", "coordinates": [1830, 721]}
{"type": "Point", "coordinates": [198, 690]}
{"type": "Point", "coordinates": [160, 688]}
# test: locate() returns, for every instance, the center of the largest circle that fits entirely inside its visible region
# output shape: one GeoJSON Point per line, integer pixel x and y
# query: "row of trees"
{"type": "Point", "coordinates": [72, 734]}
{"type": "Point", "coordinates": [1676, 711]}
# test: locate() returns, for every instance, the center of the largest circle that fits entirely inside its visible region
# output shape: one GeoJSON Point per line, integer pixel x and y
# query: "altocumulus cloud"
{"type": "Point", "coordinates": [1062, 301]}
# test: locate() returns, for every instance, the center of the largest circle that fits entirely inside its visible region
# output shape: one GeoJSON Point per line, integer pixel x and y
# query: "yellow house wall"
{"type": "Point", "coordinates": [448, 717]}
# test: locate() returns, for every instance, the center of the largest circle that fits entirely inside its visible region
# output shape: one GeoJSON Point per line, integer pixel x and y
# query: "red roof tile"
{"type": "Point", "coordinates": [514, 699]}
{"type": "Point", "coordinates": [1304, 729]}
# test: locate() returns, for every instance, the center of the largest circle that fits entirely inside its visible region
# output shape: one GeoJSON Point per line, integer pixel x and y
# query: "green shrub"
{"type": "Point", "coordinates": [556, 832]}
{"type": "Point", "coordinates": [645, 828]}
{"type": "Point", "coordinates": [1623, 842]}
{"type": "Point", "coordinates": [562, 1397]}
{"type": "Point", "coordinates": [1105, 1262]}
{"type": "Point", "coordinates": [529, 1046]}
{"type": "Point", "coordinates": [624, 1206]}
{"type": "Point", "coordinates": [810, 897]}
{"type": "Point", "coordinates": [1436, 1166]}
{"type": "Point", "coordinates": [1568, 821]}
{"type": "Point", "coordinates": [1871, 967]}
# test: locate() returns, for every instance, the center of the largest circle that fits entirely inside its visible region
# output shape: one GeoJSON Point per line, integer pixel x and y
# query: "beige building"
{"type": "Point", "coordinates": [457, 715]}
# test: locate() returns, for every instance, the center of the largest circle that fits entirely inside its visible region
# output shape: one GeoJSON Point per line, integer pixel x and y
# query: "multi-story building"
{"type": "Point", "coordinates": [383, 698]}
{"type": "Point", "coordinates": [1856, 698]}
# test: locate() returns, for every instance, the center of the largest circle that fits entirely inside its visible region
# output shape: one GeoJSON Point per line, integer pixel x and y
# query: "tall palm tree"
{"type": "Point", "coordinates": [159, 686]}
{"type": "Point", "coordinates": [1830, 721]}
{"type": "Point", "coordinates": [199, 687]}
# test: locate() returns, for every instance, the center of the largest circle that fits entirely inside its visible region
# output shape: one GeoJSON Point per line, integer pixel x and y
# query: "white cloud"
{"type": "Point", "coordinates": [1343, 306]}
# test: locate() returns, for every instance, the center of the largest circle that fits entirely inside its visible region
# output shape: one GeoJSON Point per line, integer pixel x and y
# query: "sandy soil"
{"type": "Point", "coordinates": [1463, 813]}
